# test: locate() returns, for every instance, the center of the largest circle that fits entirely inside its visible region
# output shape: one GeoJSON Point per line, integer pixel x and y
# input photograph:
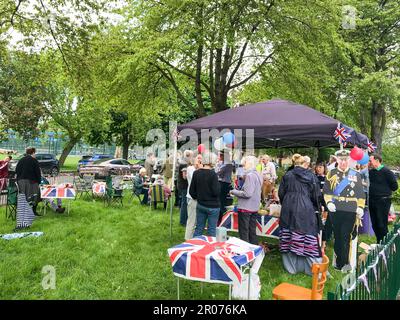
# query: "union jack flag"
{"type": "Point", "coordinates": [205, 259]}
{"type": "Point", "coordinates": [371, 146]}
{"type": "Point", "coordinates": [341, 134]}
{"type": "Point", "coordinates": [99, 187]}
{"type": "Point", "coordinates": [62, 192]}
{"type": "Point", "coordinates": [267, 226]}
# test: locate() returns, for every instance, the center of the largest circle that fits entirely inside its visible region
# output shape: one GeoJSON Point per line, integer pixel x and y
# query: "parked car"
{"type": "Point", "coordinates": [103, 168]}
{"type": "Point", "coordinates": [90, 159]}
{"type": "Point", "coordinates": [48, 164]}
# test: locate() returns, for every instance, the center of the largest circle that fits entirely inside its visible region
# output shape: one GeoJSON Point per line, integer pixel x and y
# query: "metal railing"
{"type": "Point", "coordinates": [378, 277]}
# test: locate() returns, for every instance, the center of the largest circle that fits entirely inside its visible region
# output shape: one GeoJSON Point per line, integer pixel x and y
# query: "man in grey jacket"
{"type": "Point", "coordinates": [249, 198]}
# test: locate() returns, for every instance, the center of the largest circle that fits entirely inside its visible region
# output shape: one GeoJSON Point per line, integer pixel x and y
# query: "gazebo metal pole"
{"type": "Point", "coordinates": [173, 184]}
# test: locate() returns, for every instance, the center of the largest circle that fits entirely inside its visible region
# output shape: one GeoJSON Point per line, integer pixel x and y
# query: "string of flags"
{"type": "Point", "coordinates": [363, 277]}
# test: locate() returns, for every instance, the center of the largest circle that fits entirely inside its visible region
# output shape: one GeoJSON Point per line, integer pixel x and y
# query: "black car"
{"type": "Point", "coordinates": [48, 164]}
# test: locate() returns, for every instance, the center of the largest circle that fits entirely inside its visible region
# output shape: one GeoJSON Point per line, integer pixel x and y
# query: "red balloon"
{"type": "Point", "coordinates": [201, 148]}
{"type": "Point", "coordinates": [356, 153]}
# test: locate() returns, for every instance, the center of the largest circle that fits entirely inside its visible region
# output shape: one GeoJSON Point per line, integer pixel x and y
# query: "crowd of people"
{"type": "Point", "coordinates": [319, 202]}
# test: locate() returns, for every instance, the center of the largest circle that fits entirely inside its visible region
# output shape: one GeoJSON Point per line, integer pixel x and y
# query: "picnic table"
{"type": "Point", "coordinates": [208, 260]}
{"type": "Point", "coordinates": [61, 191]}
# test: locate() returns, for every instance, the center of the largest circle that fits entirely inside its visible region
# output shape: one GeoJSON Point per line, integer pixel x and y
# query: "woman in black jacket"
{"type": "Point", "coordinates": [300, 224]}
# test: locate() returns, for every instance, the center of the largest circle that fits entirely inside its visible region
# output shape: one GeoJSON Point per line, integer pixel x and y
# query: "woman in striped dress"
{"type": "Point", "coordinates": [300, 221]}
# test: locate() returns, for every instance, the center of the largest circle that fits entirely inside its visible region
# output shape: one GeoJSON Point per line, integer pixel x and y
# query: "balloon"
{"type": "Point", "coordinates": [364, 160]}
{"type": "Point", "coordinates": [228, 138]}
{"type": "Point", "coordinates": [230, 146]}
{"type": "Point", "coordinates": [219, 144]}
{"type": "Point", "coordinates": [201, 148]}
{"type": "Point", "coordinates": [356, 153]}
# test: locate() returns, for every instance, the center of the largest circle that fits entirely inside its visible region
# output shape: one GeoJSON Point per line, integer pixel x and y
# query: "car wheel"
{"type": "Point", "coordinates": [54, 172]}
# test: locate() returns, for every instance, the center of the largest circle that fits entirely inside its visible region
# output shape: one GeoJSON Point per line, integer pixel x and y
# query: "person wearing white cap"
{"type": "Point", "coordinates": [345, 198]}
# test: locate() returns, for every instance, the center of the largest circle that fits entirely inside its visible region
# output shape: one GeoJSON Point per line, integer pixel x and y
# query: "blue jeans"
{"type": "Point", "coordinates": [202, 215]}
{"type": "Point", "coordinates": [183, 211]}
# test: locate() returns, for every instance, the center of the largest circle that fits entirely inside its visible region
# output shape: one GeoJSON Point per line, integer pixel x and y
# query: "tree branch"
{"type": "Point", "coordinates": [253, 73]}
{"type": "Point", "coordinates": [189, 75]}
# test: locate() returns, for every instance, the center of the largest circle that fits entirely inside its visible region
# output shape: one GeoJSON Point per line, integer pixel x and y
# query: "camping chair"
{"type": "Point", "coordinates": [287, 291]}
{"type": "Point", "coordinates": [12, 195]}
{"type": "Point", "coordinates": [157, 196]}
{"type": "Point", "coordinates": [133, 194]}
{"type": "Point", "coordinates": [112, 194]}
{"type": "Point", "coordinates": [82, 187]}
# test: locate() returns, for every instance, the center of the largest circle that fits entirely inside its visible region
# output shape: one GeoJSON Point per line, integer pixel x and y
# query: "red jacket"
{"type": "Point", "coordinates": [3, 169]}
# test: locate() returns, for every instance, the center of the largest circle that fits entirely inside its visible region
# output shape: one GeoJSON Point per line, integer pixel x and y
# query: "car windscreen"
{"type": "Point", "coordinates": [100, 161]}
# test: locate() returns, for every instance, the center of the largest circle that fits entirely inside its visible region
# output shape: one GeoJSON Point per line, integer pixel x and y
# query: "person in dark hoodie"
{"type": "Point", "coordinates": [249, 198]}
{"type": "Point", "coordinates": [300, 221]}
{"type": "Point", "coordinates": [28, 177]}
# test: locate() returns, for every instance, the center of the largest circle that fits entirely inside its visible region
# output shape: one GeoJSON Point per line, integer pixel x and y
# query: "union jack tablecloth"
{"type": "Point", "coordinates": [205, 259]}
{"type": "Point", "coordinates": [99, 188]}
{"type": "Point", "coordinates": [57, 192]}
{"type": "Point", "coordinates": [267, 226]}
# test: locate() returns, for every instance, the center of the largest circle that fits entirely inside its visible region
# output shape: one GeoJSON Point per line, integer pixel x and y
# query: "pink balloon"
{"type": "Point", "coordinates": [356, 153]}
{"type": "Point", "coordinates": [201, 148]}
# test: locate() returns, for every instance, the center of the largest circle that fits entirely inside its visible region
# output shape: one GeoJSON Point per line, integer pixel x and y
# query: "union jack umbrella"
{"type": "Point", "coordinates": [99, 188]}
{"type": "Point", "coordinates": [60, 192]}
{"type": "Point", "coordinates": [267, 226]}
{"type": "Point", "coordinates": [341, 134]}
{"type": "Point", "coordinates": [205, 259]}
{"type": "Point", "coordinates": [371, 146]}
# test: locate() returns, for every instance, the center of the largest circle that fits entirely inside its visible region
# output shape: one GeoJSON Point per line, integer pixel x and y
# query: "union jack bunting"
{"type": "Point", "coordinates": [341, 134]}
{"type": "Point", "coordinates": [60, 192]}
{"type": "Point", "coordinates": [267, 226]}
{"type": "Point", "coordinates": [205, 259]}
{"type": "Point", "coordinates": [371, 146]}
{"type": "Point", "coordinates": [99, 188]}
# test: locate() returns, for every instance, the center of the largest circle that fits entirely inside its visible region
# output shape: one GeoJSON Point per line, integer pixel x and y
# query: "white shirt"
{"type": "Point", "coordinates": [189, 174]}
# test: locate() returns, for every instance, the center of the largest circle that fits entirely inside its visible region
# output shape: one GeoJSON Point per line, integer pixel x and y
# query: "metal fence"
{"type": "Point", "coordinates": [378, 278]}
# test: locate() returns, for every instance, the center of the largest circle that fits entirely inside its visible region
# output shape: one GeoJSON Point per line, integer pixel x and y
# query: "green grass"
{"type": "Point", "coordinates": [114, 253]}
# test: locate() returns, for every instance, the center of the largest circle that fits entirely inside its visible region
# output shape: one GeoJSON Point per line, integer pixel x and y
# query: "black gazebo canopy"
{"type": "Point", "coordinates": [279, 124]}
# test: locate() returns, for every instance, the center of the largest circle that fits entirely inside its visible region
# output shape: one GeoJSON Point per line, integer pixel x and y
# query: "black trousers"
{"type": "Point", "coordinates": [225, 188]}
{"type": "Point", "coordinates": [343, 224]}
{"type": "Point", "coordinates": [328, 229]}
{"type": "Point", "coordinates": [247, 227]}
{"type": "Point", "coordinates": [379, 211]}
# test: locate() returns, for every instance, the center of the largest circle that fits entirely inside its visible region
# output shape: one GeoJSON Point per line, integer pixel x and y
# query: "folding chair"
{"type": "Point", "coordinates": [157, 196]}
{"type": "Point", "coordinates": [12, 195]}
{"type": "Point", "coordinates": [112, 194]}
{"type": "Point", "coordinates": [83, 187]}
{"type": "Point", "coordinates": [134, 194]}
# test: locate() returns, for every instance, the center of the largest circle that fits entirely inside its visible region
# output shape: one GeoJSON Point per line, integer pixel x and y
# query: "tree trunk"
{"type": "Point", "coordinates": [67, 149]}
{"type": "Point", "coordinates": [125, 149]}
{"type": "Point", "coordinates": [378, 123]}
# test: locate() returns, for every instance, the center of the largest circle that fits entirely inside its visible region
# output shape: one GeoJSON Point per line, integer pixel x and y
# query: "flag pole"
{"type": "Point", "coordinates": [173, 183]}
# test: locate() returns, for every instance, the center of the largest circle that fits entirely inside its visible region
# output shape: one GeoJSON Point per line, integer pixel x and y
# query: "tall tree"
{"type": "Point", "coordinates": [218, 45]}
{"type": "Point", "coordinates": [373, 96]}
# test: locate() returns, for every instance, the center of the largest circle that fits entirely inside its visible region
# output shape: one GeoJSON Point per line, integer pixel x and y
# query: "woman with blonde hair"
{"type": "Point", "coordinates": [299, 222]}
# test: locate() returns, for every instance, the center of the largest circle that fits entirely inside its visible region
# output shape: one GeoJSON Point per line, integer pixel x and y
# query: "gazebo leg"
{"type": "Point", "coordinates": [178, 287]}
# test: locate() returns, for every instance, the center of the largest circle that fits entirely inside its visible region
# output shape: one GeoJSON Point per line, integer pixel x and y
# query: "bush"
{"type": "Point", "coordinates": [396, 195]}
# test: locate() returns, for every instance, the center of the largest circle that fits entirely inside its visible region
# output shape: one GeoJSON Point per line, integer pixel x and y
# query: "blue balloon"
{"type": "Point", "coordinates": [228, 138]}
{"type": "Point", "coordinates": [364, 160]}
